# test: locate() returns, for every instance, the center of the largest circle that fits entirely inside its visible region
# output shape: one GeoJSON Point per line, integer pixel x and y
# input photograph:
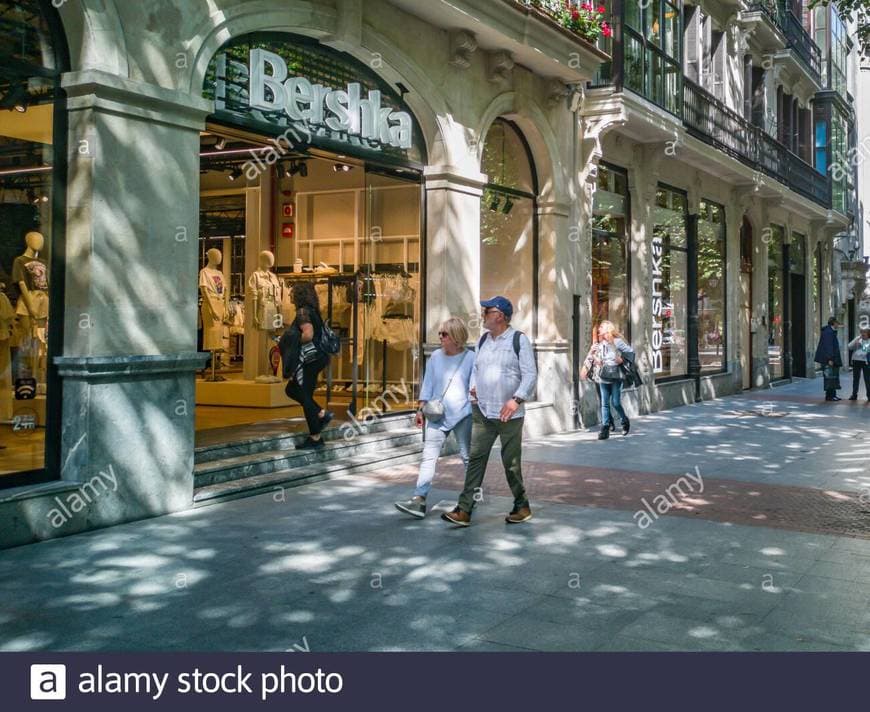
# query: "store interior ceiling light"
{"type": "Point", "coordinates": [494, 203]}
{"type": "Point", "coordinates": [220, 144]}
{"type": "Point", "coordinates": [235, 174]}
{"type": "Point", "coordinates": [16, 99]}
{"type": "Point", "coordinates": [294, 167]}
{"type": "Point", "coordinates": [341, 168]}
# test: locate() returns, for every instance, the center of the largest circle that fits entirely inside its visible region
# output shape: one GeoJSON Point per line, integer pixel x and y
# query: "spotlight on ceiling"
{"type": "Point", "coordinates": [494, 203]}
{"type": "Point", "coordinates": [235, 174]}
{"type": "Point", "coordinates": [341, 167]}
{"type": "Point", "coordinates": [508, 205]}
{"type": "Point", "coordinates": [296, 167]}
{"type": "Point", "coordinates": [31, 196]}
{"type": "Point", "coordinates": [16, 99]}
{"type": "Point", "coordinates": [220, 144]}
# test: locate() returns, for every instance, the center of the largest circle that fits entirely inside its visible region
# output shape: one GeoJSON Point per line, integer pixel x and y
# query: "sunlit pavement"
{"type": "Point", "coordinates": [772, 554]}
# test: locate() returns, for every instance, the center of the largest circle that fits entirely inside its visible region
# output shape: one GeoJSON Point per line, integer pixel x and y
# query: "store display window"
{"type": "Point", "coordinates": [712, 279]}
{"type": "Point", "coordinates": [30, 204]}
{"type": "Point", "coordinates": [610, 263]}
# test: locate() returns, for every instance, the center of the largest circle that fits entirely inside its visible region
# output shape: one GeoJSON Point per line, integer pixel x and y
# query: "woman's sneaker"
{"type": "Point", "coordinates": [327, 416]}
{"type": "Point", "coordinates": [416, 507]}
{"type": "Point", "coordinates": [626, 426]}
{"type": "Point", "coordinates": [605, 433]}
{"type": "Point", "coordinates": [311, 444]}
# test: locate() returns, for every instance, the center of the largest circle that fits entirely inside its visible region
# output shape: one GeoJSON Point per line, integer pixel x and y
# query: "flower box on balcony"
{"type": "Point", "coordinates": [585, 21]}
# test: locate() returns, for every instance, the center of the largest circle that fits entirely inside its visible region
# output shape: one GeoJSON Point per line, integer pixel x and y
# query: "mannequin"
{"type": "Point", "coordinates": [266, 294]}
{"type": "Point", "coordinates": [215, 307]}
{"type": "Point", "coordinates": [30, 275]}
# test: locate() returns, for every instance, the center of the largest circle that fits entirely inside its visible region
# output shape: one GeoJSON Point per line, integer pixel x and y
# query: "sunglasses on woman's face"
{"type": "Point", "coordinates": [443, 334]}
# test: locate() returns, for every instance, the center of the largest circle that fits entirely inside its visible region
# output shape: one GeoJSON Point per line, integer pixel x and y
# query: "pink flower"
{"type": "Point", "coordinates": [575, 14]}
{"type": "Point", "coordinates": [602, 9]}
{"type": "Point", "coordinates": [605, 30]}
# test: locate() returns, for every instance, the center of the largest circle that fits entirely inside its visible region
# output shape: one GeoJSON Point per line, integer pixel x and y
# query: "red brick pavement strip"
{"type": "Point", "coordinates": [800, 509]}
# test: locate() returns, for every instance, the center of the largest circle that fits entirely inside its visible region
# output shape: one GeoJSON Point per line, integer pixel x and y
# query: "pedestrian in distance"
{"type": "Point", "coordinates": [606, 361]}
{"type": "Point", "coordinates": [303, 358]}
{"type": "Point", "coordinates": [828, 356]}
{"type": "Point", "coordinates": [860, 349]}
{"type": "Point", "coordinates": [502, 380]}
{"type": "Point", "coordinates": [444, 407]}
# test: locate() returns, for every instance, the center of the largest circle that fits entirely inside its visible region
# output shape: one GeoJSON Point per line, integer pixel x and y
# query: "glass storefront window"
{"type": "Point", "coordinates": [610, 279]}
{"type": "Point", "coordinates": [507, 223]}
{"type": "Point", "coordinates": [711, 287]}
{"type": "Point", "coordinates": [28, 91]}
{"type": "Point", "coordinates": [775, 297]}
{"type": "Point", "coordinates": [669, 281]}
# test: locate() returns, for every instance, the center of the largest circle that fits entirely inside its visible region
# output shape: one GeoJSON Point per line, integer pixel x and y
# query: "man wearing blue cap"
{"type": "Point", "coordinates": [502, 380]}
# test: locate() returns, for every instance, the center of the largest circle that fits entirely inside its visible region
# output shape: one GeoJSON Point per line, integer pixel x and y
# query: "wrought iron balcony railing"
{"type": "Point", "coordinates": [797, 37]}
{"type": "Point", "coordinates": [711, 121]}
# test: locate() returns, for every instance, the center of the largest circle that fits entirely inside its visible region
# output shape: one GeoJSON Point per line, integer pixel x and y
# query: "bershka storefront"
{"type": "Point", "coordinates": [311, 174]}
{"type": "Point", "coordinates": [182, 199]}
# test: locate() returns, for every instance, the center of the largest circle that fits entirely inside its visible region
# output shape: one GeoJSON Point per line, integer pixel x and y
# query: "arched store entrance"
{"type": "Point", "coordinates": [310, 173]}
{"type": "Point", "coordinates": [509, 223]}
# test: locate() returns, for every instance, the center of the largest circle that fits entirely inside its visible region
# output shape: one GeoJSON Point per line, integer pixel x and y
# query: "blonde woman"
{"type": "Point", "coordinates": [444, 408]}
{"type": "Point", "coordinates": [605, 361]}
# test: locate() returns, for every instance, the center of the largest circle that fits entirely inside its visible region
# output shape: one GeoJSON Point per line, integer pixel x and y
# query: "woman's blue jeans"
{"type": "Point", "coordinates": [611, 393]}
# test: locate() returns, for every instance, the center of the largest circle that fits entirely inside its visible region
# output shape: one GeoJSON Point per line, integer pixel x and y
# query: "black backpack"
{"type": "Point", "coordinates": [329, 341]}
{"type": "Point", "coordinates": [517, 335]}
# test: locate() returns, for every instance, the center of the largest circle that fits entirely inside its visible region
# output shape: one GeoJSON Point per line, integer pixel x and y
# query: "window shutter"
{"type": "Point", "coordinates": [747, 87]}
{"type": "Point", "coordinates": [758, 96]}
{"type": "Point", "coordinates": [704, 32]}
{"type": "Point", "coordinates": [692, 42]}
{"type": "Point", "coordinates": [718, 51]}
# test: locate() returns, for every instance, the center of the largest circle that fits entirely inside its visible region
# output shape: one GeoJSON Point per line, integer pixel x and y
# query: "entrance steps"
{"type": "Point", "coordinates": [260, 464]}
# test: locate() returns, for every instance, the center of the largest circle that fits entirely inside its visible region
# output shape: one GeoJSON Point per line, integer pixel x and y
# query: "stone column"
{"type": "Point", "coordinates": [733, 309]}
{"type": "Point", "coordinates": [452, 249]}
{"type": "Point", "coordinates": [128, 360]}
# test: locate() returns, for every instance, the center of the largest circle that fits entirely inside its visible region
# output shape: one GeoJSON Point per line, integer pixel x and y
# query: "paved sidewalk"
{"type": "Point", "coordinates": [773, 554]}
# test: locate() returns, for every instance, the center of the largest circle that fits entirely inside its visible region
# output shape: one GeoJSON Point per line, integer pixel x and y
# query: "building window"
{"type": "Point", "coordinates": [653, 38]}
{"type": "Point", "coordinates": [841, 171]}
{"type": "Point", "coordinates": [821, 141]}
{"type": "Point", "coordinates": [610, 263]}
{"type": "Point", "coordinates": [669, 281]}
{"type": "Point", "coordinates": [817, 286]}
{"type": "Point", "coordinates": [508, 222]}
{"type": "Point", "coordinates": [839, 54]}
{"type": "Point", "coordinates": [775, 301]}
{"type": "Point", "coordinates": [711, 287]}
{"type": "Point", "coordinates": [31, 134]}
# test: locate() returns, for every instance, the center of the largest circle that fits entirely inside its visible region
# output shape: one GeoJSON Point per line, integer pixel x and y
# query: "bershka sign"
{"type": "Point", "coordinates": [343, 111]}
{"type": "Point", "coordinates": [657, 304]}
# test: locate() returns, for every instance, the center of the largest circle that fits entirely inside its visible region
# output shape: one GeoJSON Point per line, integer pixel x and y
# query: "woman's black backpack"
{"type": "Point", "coordinates": [329, 342]}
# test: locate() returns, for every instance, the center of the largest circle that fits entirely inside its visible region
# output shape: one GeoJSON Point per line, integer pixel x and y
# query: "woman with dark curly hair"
{"type": "Point", "coordinates": [303, 360]}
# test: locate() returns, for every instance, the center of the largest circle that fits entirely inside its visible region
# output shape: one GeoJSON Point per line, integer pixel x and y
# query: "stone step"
{"type": "Point", "coordinates": [315, 472]}
{"type": "Point", "coordinates": [238, 467]}
{"type": "Point", "coordinates": [289, 441]}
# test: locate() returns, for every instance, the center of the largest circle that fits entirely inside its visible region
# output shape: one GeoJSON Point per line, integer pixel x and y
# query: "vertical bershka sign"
{"type": "Point", "coordinates": [657, 304]}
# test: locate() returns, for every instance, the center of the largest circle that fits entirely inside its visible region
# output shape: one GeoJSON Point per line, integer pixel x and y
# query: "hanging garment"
{"type": "Point", "coordinates": [265, 289]}
{"type": "Point", "coordinates": [215, 306]}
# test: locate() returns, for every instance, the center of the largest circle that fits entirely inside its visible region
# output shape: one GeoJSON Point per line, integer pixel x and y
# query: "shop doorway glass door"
{"type": "Point", "coordinates": [390, 292]}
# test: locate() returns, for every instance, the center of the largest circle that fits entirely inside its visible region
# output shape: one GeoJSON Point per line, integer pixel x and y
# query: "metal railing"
{"type": "Point", "coordinates": [709, 120]}
{"type": "Point", "coordinates": [796, 35]}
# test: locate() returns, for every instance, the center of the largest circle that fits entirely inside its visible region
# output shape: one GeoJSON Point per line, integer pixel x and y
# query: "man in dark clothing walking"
{"type": "Point", "coordinates": [828, 355]}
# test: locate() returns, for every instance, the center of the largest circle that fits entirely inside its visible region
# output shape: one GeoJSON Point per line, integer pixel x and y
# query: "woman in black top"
{"type": "Point", "coordinates": [303, 360]}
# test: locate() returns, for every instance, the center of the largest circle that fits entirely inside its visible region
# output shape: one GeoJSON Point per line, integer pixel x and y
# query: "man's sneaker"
{"type": "Point", "coordinates": [854, 396]}
{"type": "Point", "coordinates": [626, 426]}
{"type": "Point", "coordinates": [311, 444]}
{"type": "Point", "coordinates": [416, 507]}
{"type": "Point", "coordinates": [457, 517]}
{"type": "Point", "coordinates": [519, 515]}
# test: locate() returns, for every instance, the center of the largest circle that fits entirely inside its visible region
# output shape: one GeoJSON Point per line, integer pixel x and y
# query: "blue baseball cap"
{"type": "Point", "coordinates": [503, 304]}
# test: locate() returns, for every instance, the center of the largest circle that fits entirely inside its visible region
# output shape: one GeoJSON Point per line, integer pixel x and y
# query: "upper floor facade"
{"type": "Point", "coordinates": [766, 81]}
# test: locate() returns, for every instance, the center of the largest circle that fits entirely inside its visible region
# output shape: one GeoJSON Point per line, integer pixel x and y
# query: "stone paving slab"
{"type": "Point", "coordinates": [333, 566]}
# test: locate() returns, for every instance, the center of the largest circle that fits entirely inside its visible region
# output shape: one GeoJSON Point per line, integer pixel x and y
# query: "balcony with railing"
{"type": "Point", "coordinates": [709, 120]}
{"type": "Point", "coordinates": [796, 36]}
